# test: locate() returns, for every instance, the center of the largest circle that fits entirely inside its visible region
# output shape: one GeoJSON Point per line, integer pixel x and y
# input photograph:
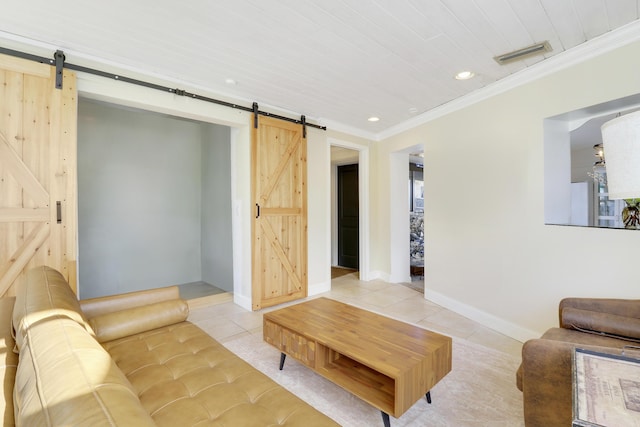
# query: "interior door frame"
{"type": "Point", "coordinates": [120, 93]}
{"type": "Point", "coordinates": [364, 237]}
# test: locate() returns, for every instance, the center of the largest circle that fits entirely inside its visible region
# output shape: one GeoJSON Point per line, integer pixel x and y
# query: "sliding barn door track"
{"type": "Point", "coordinates": [58, 61]}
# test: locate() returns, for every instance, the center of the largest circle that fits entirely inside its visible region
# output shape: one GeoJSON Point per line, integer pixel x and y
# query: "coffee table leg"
{"type": "Point", "coordinates": [428, 396]}
{"type": "Point", "coordinates": [385, 419]}
{"type": "Point", "coordinates": [282, 357]}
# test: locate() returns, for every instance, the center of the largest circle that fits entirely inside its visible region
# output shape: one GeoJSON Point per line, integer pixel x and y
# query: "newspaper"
{"type": "Point", "coordinates": [606, 390]}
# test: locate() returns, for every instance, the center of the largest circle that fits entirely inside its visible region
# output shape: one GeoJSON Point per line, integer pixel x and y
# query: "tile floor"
{"type": "Point", "coordinates": [198, 290]}
{"type": "Point", "coordinates": [227, 321]}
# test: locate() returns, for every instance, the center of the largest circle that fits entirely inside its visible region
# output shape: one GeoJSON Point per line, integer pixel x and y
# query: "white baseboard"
{"type": "Point", "coordinates": [400, 279]}
{"type": "Point", "coordinates": [315, 289]}
{"type": "Point", "coordinates": [489, 320]}
{"type": "Point", "coordinates": [376, 274]}
{"type": "Point", "coordinates": [242, 301]}
{"type": "Point", "coordinates": [382, 275]}
{"type": "Point", "coordinates": [318, 288]}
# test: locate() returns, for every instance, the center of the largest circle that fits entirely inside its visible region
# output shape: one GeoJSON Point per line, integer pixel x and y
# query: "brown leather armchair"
{"type": "Point", "coordinates": [545, 375]}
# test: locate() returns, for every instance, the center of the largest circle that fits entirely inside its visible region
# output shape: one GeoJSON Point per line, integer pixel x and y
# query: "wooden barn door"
{"type": "Point", "coordinates": [37, 171]}
{"type": "Point", "coordinates": [279, 173]}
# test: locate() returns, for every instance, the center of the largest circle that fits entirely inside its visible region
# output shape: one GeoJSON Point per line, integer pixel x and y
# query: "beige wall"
{"type": "Point", "coordinates": [488, 253]}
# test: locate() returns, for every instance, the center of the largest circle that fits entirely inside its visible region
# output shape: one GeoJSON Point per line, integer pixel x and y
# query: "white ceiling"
{"type": "Point", "coordinates": [335, 61]}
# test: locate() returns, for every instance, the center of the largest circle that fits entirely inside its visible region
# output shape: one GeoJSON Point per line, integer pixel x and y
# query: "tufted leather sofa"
{"type": "Point", "coordinates": [545, 375]}
{"type": "Point", "coordinates": [127, 360]}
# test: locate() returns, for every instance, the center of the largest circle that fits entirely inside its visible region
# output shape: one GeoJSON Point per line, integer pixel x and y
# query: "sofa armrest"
{"type": "Point", "coordinates": [131, 321]}
{"type": "Point", "coordinates": [93, 307]}
{"type": "Point", "coordinates": [547, 381]}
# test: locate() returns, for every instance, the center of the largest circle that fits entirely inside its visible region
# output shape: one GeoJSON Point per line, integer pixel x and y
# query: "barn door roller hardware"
{"type": "Point", "coordinates": [255, 115]}
{"type": "Point", "coordinates": [59, 62]}
{"type": "Point", "coordinates": [303, 120]}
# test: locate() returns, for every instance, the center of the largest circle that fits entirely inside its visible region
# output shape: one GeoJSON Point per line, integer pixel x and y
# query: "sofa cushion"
{"type": "Point", "coordinates": [93, 307]}
{"type": "Point", "coordinates": [574, 338]}
{"type": "Point", "coordinates": [66, 378]}
{"type": "Point", "coordinates": [581, 339]}
{"type": "Point", "coordinates": [119, 324]}
{"type": "Point", "coordinates": [185, 377]}
{"type": "Point", "coordinates": [45, 293]}
{"type": "Point", "coordinates": [603, 323]}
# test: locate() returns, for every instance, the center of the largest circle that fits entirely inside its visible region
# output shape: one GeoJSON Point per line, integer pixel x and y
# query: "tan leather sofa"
{"type": "Point", "coordinates": [545, 375]}
{"type": "Point", "coordinates": [127, 360]}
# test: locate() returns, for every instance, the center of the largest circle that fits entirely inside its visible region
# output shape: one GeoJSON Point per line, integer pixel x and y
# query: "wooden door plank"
{"type": "Point", "coordinates": [279, 252]}
{"type": "Point", "coordinates": [11, 233]}
{"type": "Point", "coordinates": [22, 66]}
{"type": "Point", "coordinates": [281, 211]}
{"type": "Point", "coordinates": [36, 152]}
{"type": "Point", "coordinates": [256, 238]}
{"type": "Point", "coordinates": [24, 214]}
{"type": "Point", "coordinates": [68, 162]}
{"type": "Point", "coordinates": [276, 174]}
{"type": "Point", "coordinates": [12, 267]}
{"type": "Point", "coordinates": [14, 164]}
{"type": "Point", "coordinates": [62, 166]}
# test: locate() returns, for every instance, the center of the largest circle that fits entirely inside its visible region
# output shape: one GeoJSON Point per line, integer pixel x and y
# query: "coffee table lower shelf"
{"type": "Point", "coordinates": [343, 367]}
{"type": "Point", "coordinates": [369, 385]}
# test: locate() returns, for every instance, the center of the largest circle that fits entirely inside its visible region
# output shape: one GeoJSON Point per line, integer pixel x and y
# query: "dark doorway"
{"type": "Point", "coordinates": [348, 216]}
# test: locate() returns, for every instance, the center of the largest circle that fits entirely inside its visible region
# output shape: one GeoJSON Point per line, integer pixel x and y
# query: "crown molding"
{"type": "Point", "coordinates": [349, 130]}
{"type": "Point", "coordinates": [597, 46]}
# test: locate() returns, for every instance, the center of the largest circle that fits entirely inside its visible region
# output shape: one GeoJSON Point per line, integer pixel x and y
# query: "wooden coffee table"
{"type": "Point", "coordinates": [387, 363]}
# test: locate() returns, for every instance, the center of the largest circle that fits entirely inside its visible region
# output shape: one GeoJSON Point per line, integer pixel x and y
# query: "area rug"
{"type": "Point", "coordinates": [479, 391]}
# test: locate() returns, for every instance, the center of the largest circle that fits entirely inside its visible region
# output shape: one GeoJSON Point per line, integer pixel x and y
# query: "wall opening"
{"type": "Point", "coordinates": [344, 211]}
{"type": "Point", "coordinates": [575, 190]}
{"type": "Point", "coordinates": [400, 217]}
{"type": "Point", "coordinates": [154, 201]}
{"type": "Point", "coordinates": [416, 219]}
{"type": "Point", "coordinates": [343, 153]}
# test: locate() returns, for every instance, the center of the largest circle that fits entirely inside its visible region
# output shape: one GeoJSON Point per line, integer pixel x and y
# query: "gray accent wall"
{"type": "Point", "coordinates": [154, 201]}
{"type": "Point", "coordinates": [216, 238]}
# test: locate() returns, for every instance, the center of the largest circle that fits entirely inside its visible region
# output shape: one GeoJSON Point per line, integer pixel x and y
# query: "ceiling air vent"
{"type": "Point", "coordinates": [525, 52]}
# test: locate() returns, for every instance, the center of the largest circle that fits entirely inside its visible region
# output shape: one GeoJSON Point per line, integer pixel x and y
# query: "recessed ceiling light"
{"type": "Point", "coordinates": [373, 119]}
{"type": "Point", "coordinates": [230, 82]}
{"type": "Point", "coordinates": [464, 75]}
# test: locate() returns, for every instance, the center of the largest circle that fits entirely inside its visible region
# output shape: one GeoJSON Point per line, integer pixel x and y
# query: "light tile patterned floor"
{"type": "Point", "coordinates": [228, 321]}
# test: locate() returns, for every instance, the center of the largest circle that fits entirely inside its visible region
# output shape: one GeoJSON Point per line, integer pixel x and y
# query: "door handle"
{"type": "Point", "coordinates": [58, 212]}
{"type": "Point", "coordinates": [257, 211]}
